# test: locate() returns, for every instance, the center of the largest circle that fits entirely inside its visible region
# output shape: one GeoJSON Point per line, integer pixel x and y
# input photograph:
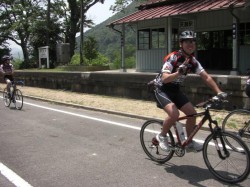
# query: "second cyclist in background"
{"type": "Point", "coordinates": [168, 94]}
{"type": "Point", "coordinates": [7, 70]}
{"type": "Point", "coordinates": [248, 83]}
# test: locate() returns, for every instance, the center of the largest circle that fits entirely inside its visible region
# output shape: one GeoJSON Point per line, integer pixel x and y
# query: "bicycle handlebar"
{"type": "Point", "coordinates": [18, 83]}
{"type": "Point", "coordinates": [215, 100]}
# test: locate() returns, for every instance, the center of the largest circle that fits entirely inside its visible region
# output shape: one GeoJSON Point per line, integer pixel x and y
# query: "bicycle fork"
{"type": "Point", "coordinates": [221, 149]}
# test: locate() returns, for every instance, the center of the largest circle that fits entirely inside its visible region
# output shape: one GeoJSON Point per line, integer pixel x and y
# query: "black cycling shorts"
{"type": "Point", "coordinates": [10, 77]}
{"type": "Point", "coordinates": [165, 97]}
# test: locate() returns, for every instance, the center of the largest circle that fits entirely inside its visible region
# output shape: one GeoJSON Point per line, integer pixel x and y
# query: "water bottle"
{"type": "Point", "coordinates": [180, 130]}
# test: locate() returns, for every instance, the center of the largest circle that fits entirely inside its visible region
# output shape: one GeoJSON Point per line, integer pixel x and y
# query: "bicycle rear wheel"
{"type": "Point", "coordinates": [233, 165]}
{"type": "Point", "coordinates": [6, 98]}
{"type": "Point", "coordinates": [18, 99]}
{"type": "Point", "coordinates": [238, 122]}
{"type": "Point", "coordinates": [149, 143]}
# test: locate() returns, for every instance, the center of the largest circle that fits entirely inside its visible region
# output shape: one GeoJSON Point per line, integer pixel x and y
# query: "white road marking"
{"type": "Point", "coordinates": [18, 181]}
{"type": "Point", "coordinates": [97, 119]}
{"type": "Point", "coordinates": [87, 117]}
{"type": "Point", "coordinates": [13, 177]}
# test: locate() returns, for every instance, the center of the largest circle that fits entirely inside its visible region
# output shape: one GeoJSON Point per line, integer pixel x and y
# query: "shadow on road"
{"type": "Point", "coordinates": [193, 174]}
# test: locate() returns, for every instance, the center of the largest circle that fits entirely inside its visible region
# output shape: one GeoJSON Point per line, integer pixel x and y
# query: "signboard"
{"type": "Point", "coordinates": [186, 25]}
{"type": "Point", "coordinates": [234, 30]}
{"type": "Point", "coordinates": [43, 53]}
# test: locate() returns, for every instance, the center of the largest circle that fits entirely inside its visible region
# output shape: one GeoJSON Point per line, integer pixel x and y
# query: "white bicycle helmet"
{"type": "Point", "coordinates": [187, 35]}
{"type": "Point", "coordinates": [6, 57]}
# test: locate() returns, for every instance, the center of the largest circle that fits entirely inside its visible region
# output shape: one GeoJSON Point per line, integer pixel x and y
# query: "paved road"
{"type": "Point", "coordinates": [53, 145]}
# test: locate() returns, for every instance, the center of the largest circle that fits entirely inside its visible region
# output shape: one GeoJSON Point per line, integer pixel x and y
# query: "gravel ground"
{"type": "Point", "coordinates": [146, 109]}
{"type": "Point", "coordinates": [130, 106]}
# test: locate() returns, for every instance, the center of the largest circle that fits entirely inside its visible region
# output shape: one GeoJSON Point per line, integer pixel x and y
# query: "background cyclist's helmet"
{"type": "Point", "coordinates": [6, 57]}
{"type": "Point", "coordinates": [187, 35]}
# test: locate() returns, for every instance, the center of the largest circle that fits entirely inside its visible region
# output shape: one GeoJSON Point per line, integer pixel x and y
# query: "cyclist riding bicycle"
{"type": "Point", "coordinates": [7, 70]}
{"type": "Point", "coordinates": [168, 94]}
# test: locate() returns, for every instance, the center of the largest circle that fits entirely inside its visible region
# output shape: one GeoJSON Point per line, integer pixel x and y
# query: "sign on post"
{"type": "Point", "coordinates": [234, 30]}
{"type": "Point", "coordinates": [43, 53]}
{"type": "Point", "coordinates": [186, 25]}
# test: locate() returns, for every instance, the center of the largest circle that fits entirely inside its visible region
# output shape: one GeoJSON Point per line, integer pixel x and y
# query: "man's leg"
{"type": "Point", "coordinates": [188, 109]}
{"type": "Point", "coordinates": [8, 82]}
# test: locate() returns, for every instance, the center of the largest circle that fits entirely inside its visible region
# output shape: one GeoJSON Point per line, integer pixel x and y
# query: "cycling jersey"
{"type": "Point", "coordinates": [170, 92]}
{"type": "Point", "coordinates": [171, 65]}
{"type": "Point", "coordinates": [7, 68]}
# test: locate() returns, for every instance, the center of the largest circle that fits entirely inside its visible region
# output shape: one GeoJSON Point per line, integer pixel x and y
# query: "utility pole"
{"type": "Point", "coordinates": [48, 23]}
{"type": "Point", "coordinates": [81, 35]}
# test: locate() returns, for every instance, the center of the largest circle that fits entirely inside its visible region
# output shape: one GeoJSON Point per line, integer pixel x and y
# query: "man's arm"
{"type": "Point", "coordinates": [169, 77]}
{"type": "Point", "coordinates": [210, 82]}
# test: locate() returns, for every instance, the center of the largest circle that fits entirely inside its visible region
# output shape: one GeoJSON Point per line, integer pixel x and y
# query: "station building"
{"type": "Point", "coordinates": [222, 27]}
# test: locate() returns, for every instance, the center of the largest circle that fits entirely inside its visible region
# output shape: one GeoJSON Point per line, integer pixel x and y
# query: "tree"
{"type": "Point", "coordinates": [74, 22]}
{"type": "Point", "coordinates": [120, 5]}
{"type": "Point", "coordinates": [40, 38]}
{"type": "Point", "coordinates": [90, 48]}
{"type": "Point", "coordinates": [17, 18]}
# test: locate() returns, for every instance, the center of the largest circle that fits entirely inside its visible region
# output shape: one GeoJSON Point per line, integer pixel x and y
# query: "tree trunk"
{"type": "Point", "coordinates": [74, 18]}
{"type": "Point", "coordinates": [25, 55]}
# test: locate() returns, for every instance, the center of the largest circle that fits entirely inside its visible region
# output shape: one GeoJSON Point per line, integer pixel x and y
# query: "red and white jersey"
{"type": "Point", "coordinates": [174, 60]}
{"type": "Point", "coordinates": [7, 68]}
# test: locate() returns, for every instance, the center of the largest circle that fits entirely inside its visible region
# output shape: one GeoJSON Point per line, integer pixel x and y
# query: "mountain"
{"type": "Point", "coordinates": [108, 40]}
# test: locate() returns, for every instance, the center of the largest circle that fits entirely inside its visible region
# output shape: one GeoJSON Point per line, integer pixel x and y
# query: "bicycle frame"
{"type": "Point", "coordinates": [228, 160]}
{"type": "Point", "coordinates": [15, 95]}
{"type": "Point", "coordinates": [13, 85]}
{"type": "Point", "coordinates": [206, 117]}
{"type": "Point", "coordinates": [245, 129]}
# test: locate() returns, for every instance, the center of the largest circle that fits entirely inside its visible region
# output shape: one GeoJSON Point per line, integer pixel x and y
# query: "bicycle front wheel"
{"type": "Point", "coordinates": [6, 98]}
{"type": "Point", "coordinates": [238, 122]}
{"type": "Point", "coordinates": [18, 99]}
{"type": "Point", "coordinates": [228, 165]}
{"type": "Point", "coordinates": [149, 143]}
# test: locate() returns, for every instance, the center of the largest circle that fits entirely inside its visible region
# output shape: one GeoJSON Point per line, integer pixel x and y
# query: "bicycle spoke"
{"type": "Point", "coordinates": [18, 99]}
{"type": "Point", "coordinates": [238, 122]}
{"type": "Point", "coordinates": [150, 145]}
{"type": "Point", "coordinates": [232, 167]}
{"type": "Point", "coordinates": [6, 98]}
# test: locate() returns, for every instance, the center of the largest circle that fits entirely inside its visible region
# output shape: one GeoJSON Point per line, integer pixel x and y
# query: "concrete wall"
{"type": "Point", "coordinates": [132, 85]}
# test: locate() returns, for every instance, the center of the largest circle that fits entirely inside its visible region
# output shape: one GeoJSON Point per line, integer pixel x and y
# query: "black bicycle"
{"type": "Point", "coordinates": [15, 96]}
{"type": "Point", "coordinates": [228, 161]}
{"type": "Point", "coordinates": [238, 122]}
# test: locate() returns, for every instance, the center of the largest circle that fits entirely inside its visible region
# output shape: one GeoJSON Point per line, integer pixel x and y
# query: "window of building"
{"type": "Point", "coordinates": [143, 39]}
{"type": "Point", "coordinates": [151, 38]}
{"type": "Point", "coordinates": [175, 39]}
{"type": "Point", "coordinates": [158, 38]}
{"type": "Point", "coordinates": [244, 34]}
{"type": "Point", "coordinates": [214, 40]}
{"type": "Point", "coordinates": [214, 49]}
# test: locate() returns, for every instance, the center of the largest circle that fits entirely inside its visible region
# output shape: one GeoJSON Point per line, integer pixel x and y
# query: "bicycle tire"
{"type": "Point", "coordinates": [18, 99]}
{"type": "Point", "coordinates": [238, 122]}
{"type": "Point", "coordinates": [149, 143]}
{"type": "Point", "coordinates": [235, 166]}
{"type": "Point", "coordinates": [6, 98]}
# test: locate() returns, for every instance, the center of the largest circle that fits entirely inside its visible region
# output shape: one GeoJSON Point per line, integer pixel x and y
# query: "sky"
{"type": "Point", "coordinates": [98, 13]}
